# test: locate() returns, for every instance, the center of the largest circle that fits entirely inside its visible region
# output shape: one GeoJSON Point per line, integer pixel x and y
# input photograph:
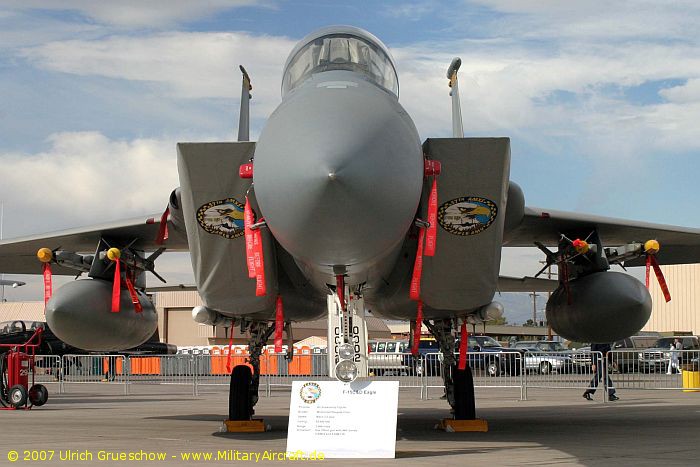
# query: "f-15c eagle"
{"type": "Point", "coordinates": [339, 208]}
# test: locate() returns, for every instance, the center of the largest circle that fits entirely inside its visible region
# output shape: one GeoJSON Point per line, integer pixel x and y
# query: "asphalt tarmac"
{"type": "Point", "coordinates": [553, 427]}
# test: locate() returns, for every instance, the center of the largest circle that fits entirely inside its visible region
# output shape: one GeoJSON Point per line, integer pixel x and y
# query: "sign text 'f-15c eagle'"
{"type": "Point", "coordinates": [338, 209]}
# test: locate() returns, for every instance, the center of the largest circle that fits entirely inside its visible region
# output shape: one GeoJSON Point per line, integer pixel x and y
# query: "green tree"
{"type": "Point", "coordinates": [498, 321]}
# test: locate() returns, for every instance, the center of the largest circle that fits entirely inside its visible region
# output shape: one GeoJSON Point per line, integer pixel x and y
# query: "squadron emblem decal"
{"type": "Point", "coordinates": [310, 392]}
{"type": "Point", "coordinates": [223, 217]}
{"type": "Point", "coordinates": [468, 215]}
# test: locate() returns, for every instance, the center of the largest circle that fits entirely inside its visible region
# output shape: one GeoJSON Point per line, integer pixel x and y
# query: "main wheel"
{"type": "Point", "coordinates": [465, 408]}
{"type": "Point", "coordinates": [545, 368]}
{"type": "Point", "coordinates": [4, 401]}
{"type": "Point", "coordinates": [38, 395]}
{"type": "Point", "coordinates": [17, 396]}
{"type": "Point", "coordinates": [494, 368]}
{"type": "Point", "coordinates": [239, 396]}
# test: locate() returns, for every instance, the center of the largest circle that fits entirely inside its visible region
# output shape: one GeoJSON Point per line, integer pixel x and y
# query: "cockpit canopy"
{"type": "Point", "coordinates": [340, 48]}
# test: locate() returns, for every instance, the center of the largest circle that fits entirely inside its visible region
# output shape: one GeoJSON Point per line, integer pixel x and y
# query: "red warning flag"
{"type": "Point", "coordinates": [249, 240]}
{"type": "Point", "coordinates": [417, 329]}
{"type": "Point", "coordinates": [651, 261]}
{"type": "Point", "coordinates": [646, 282]}
{"type": "Point", "coordinates": [431, 236]}
{"type": "Point", "coordinates": [48, 287]}
{"type": "Point", "coordinates": [132, 292]}
{"type": "Point", "coordinates": [464, 336]}
{"type": "Point", "coordinates": [230, 344]}
{"type": "Point", "coordinates": [279, 324]}
{"type": "Point", "coordinates": [414, 292]}
{"type": "Point", "coordinates": [260, 286]}
{"type": "Point", "coordinates": [116, 287]}
{"type": "Point", "coordinates": [163, 227]}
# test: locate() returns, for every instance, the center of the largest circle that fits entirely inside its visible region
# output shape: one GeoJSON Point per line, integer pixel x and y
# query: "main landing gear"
{"type": "Point", "coordinates": [459, 384]}
{"type": "Point", "coordinates": [243, 394]}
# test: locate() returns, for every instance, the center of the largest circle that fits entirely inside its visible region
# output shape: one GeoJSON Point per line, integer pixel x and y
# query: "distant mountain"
{"type": "Point", "coordinates": [518, 306]}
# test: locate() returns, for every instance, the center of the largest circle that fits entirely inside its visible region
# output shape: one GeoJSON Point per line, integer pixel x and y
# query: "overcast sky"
{"type": "Point", "coordinates": [600, 99]}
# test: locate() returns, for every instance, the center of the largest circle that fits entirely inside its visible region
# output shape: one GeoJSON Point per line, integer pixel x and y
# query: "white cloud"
{"type": "Point", "coordinates": [137, 13]}
{"type": "Point", "coordinates": [412, 11]}
{"type": "Point", "coordinates": [688, 92]}
{"type": "Point", "coordinates": [511, 90]}
{"type": "Point", "coordinates": [85, 178]}
{"type": "Point", "coordinates": [592, 20]}
{"type": "Point", "coordinates": [190, 65]}
{"type": "Point", "coordinates": [506, 87]}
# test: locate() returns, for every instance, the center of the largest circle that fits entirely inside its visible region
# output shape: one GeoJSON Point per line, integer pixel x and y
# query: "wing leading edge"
{"type": "Point", "coordinates": [679, 245]}
{"type": "Point", "coordinates": [18, 255]}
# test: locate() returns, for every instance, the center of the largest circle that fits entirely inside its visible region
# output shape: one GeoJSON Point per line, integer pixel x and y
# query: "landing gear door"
{"type": "Point", "coordinates": [357, 334]}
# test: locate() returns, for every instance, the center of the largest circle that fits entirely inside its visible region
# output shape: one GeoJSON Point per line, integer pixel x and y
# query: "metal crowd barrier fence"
{"type": "Point", "coordinates": [639, 369]}
{"type": "Point", "coordinates": [561, 370]}
{"type": "Point", "coordinates": [164, 369]}
{"type": "Point", "coordinates": [48, 369]}
{"type": "Point", "coordinates": [106, 369]}
{"type": "Point", "coordinates": [489, 370]}
{"type": "Point", "coordinates": [655, 369]}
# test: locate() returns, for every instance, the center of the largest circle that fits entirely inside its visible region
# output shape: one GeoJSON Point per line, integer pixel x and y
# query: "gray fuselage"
{"type": "Point", "coordinates": [338, 177]}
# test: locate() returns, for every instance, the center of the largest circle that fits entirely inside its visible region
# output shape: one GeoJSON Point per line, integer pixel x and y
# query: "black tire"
{"type": "Point", "coordinates": [239, 396]}
{"type": "Point", "coordinates": [3, 381]}
{"type": "Point", "coordinates": [17, 396]}
{"type": "Point", "coordinates": [493, 368]}
{"type": "Point", "coordinates": [418, 370]}
{"type": "Point", "coordinates": [545, 368]}
{"type": "Point", "coordinates": [38, 395]}
{"type": "Point", "coordinates": [514, 365]}
{"type": "Point", "coordinates": [465, 408]}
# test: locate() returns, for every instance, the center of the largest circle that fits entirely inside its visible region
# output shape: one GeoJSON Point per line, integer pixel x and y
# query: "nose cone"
{"type": "Point", "coordinates": [338, 173]}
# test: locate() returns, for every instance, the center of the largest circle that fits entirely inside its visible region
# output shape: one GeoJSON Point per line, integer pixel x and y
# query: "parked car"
{"type": "Point", "coordinates": [542, 346]}
{"type": "Point", "coordinates": [484, 353]}
{"type": "Point", "coordinates": [582, 358]}
{"type": "Point", "coordinates": [626, 355]}
{"type": "Point", "coordinates": [657, 357]}
{"type": "Point", "coordinates": [388, 357]}
{"type": "Point", "coordinates": [545, 357]}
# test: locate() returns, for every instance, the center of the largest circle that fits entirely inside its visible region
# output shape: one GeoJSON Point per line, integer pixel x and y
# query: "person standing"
{"type": "Point", "coordinates": [673, 363]}
{"type": "Point", "coordinates": [599, 371]}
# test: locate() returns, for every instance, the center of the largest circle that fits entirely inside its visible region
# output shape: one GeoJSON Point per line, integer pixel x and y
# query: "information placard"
{"type": "Point", "coordinates": [343, 421]}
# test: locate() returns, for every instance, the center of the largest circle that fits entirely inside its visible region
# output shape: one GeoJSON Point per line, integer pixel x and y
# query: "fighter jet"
{"type": "Point", "coordinates": [339, 209]}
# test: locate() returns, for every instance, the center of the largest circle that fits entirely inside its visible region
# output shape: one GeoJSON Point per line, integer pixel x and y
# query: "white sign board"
{"type": "Point", "coordinates": [343, 421]}
{"type": "Point", "coordinates": [357, 334]}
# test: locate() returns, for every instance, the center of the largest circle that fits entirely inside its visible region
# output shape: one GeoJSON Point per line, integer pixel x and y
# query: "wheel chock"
{"type": "Point", "coordinates": [451, 425]}
{"type": "Point", "coordinates": [256, 425]}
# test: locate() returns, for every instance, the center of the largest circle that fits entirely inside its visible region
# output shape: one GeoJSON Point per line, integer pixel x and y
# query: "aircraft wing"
{"type": "Point", "coordinates": [18, 255]}
{"type": "Point", "coordinates": [526, 284]}
{"type": "Point", "coordinates": [679, 245]}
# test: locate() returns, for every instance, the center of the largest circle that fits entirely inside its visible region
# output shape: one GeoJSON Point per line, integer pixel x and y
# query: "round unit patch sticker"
{"type": "Point", "coordinates": [310, 392]}
{"type": "Point", "coordinates": [468, 215]}
{"type": "Point", "coordinates": [223, 217]}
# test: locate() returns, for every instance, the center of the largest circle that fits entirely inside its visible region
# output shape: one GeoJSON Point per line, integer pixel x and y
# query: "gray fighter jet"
{"type": "Point", "coordinates": [339, 208]}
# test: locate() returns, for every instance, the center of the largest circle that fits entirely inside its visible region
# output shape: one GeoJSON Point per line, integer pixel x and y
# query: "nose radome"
{"type": "Point", "coordinates": [338, 175]}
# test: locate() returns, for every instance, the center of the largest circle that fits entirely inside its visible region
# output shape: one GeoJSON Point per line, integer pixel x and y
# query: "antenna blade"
{"type": "Point", "coordinates": [457, 128]}
{"type": "Point", "coordinates": [244, 115]}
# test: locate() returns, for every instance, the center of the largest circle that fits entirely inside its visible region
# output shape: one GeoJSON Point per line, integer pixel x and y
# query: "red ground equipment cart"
{"type": "Point", "coordinates": [16, 366]}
